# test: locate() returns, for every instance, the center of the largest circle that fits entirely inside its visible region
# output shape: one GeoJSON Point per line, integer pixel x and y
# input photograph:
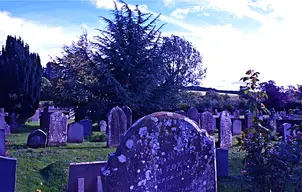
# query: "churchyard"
{"type": "Point", "coordinates": [55, 153]}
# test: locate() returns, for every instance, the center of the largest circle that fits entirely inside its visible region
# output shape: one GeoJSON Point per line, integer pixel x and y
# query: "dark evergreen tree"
{"type": "Point", "coordinates": [20, 79]}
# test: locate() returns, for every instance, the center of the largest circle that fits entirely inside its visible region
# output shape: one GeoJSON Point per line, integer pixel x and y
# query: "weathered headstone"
{"type": "Point", "coordinates": [207, 121]}
{"type": "Point", "coordinates": [8, 168]}
{"type": "Point", "coordinates": [2, 143]}
{"type": "Point", "coordinates": [117, 126]}
{"type": "Point", "coordinates": [193, 114]}
{"type": "Point", "coordinates": [7, 129]}
{"type": "Point", "coordinates": [162, 152]}
{"type": "Point", "coordinates": [103, 126]}
{"type": "Point", "coordinates": [75, 133]}
{"type": "Point", "coordinates": [286, 132]}
{"type": "Point", "coordinates": [2, 120]}
{"type": "Point", "coordinates": [87, 126]}
{"type": "Point", "coordinates": [57, 129]}
{"type": "Point", "coordinates": [222, 162]}
{"type": "Point", "coordinates": [237, 127]}
{"type": "Point", "coordinates": [128, 112]}
{"type": "Point", "coordinates": [225, 131]}
{"type": "Point", "coordinates": [37, 139]}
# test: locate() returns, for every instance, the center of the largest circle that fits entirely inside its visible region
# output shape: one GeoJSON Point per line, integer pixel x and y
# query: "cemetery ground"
{"type": "Point", "coordinates": [47, 168]}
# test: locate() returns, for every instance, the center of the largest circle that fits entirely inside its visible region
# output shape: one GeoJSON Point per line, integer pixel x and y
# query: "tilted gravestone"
{"type": "Point", "coordinates": [57, 129]}
{"type": "Point", "coordinates": [225, 131]}
{"type": "Point", "coordinates": [2, 143]}
{"type": "Point", "coordinates": [8, 168]}
{"type": "Point", "coordinates": [103, 126]}
{"type": "Point", "coordinates": [162, 152]}
{"type": "Point", "coordinates": [37, 139]}
{"type": "Point", "coordinates": [75, 133]}
{"type": "Point", "coordinates": [207, 122]}
{"type": "Point", "coordinates": [193, 114]}
{"type": "Point", "coordinates": [128, 112]}
{"type": "Point", "coordinates": [87, 124]}
{"type": "Point", "coordinates": [237, 127]}
{"type": "Point", "coordinates": [117, 125]}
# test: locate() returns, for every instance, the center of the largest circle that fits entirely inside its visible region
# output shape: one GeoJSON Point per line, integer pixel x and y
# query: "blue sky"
{"type": "Point", "coordinates": [232, 35]}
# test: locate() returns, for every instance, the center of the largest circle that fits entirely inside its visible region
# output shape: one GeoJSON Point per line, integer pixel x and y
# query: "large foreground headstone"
{"type": "Point", "coordinates": [36, 139]}
{"type": "Point", "coordinates": [117, 125]}
{"type": "Point", "coordinates": [58, 129]}
{"type": "Point", "coordinates": [8, 167]}
{"type": "Point", "coordinates": [162, 152]}
{"type": "Point", "coordinates": [225, 132]}
{"type": "Point", "coordinates": [75, 133]}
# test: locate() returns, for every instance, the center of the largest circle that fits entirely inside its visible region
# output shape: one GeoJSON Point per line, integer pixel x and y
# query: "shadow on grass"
{"type": "Point", "coordinates": [16, 146]}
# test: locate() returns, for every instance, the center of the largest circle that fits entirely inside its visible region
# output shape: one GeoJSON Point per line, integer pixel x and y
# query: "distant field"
{"type": "Point", "coordinates": [232, 96]}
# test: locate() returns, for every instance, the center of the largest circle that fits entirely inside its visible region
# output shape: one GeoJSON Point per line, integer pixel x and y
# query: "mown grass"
{"type": "Point", "coordinates": [47, 168]}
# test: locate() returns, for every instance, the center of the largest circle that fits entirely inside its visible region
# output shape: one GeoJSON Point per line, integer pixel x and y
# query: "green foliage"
{"type": "Point", "coordinates": [20, 78]}
{"type": "Point", "coordinates": [128, 63]}
{"type": "Point", "coordinates": [96, 137]}
{"type": "Point", "coordinates": [269, 166]}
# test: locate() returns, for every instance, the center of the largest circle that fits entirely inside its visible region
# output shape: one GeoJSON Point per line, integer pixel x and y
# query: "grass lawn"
{"type": "Point", "coordinates": [47, 168]}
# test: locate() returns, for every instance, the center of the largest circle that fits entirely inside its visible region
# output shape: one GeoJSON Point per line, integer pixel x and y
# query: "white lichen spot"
{"type": "Point", "coordinates": [147, 174]}
{"type": "Point", "coordinates": [205, 156]}
{"type": "Point", "coordinates": [155, 187]}
{"type": "Point", "coordinates": [188, 166]}
{"type": "Point", "coordinates": [204, 182]}
{"type": "Point", "coordinates": [163, 153]}
{"type": "Point", "coordinates": [182, 178]}
{"type": "Point", "coordinates": [170, 114]}
{"type": "Point", "coordinates": [143, 161]}
{"type": "Point", "coordinates": [142, 182]}
{"type": "Point", "coordinates": [156, 166]}
{"type": "Point", "coordinates": [122, 158]}
{"type": "Point", "coordinates": [138, 171]}
{"type": "Point", "coordinates": [173, 128]}
{"type": "Point", "coordinates": [131, 187]}
{"type": "Point", "coordinates": [129, 143]}
{"type": "Point", "coordinates": [143, 131]}
{"type": "Point", "coordinates": [154, 119]}
{"type": "Point", "coordinates": [115, 169]}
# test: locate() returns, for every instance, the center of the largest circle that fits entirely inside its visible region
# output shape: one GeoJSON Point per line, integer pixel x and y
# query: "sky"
{"type": "Point", "coordinates": [231, 35]}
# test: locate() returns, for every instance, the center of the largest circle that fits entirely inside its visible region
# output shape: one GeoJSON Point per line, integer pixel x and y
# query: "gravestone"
{"type": "Point", "coordinates": [248, 120]}
{"type": "Point", "coordinates": [2, 118]}
{"type": "Point", "coordinates": [117, 126]}
{"type": "Point", "coordinates": [7, 129]}
{"type": "Point", "coordinates": [236, 114]}
{"type": "Point", "coordinates": [2, 143]}
{"type": "Point", "coordinates": [128, 112]}
{"type": "Point", "coordinates": [87, 125]}
{"type": "Point", "coordinates": [193, 114]}
{"type": "Point", "coordinates": [45, 119]}
{"type": "Point", "coordinates": [8, 168]}
{"type": "Point", "coordinates": [225, 131]}
{"type": "Point", "coordinates": [37, 139]}
{"type": "Point", "coordinates": [75, 133]}
{"type": "Point", "coordinates": [286, 132]}
{"type": "Point", "coordinates": [222, 162]}
{"type": "Point", "coordinates": [35, 117]}
{"type": "Point", "coordinates": [207, 121]}
{"type": "Point", "coordinates": [162, 152]}
{"type": "Point", "coordinates": [57, 129]}
{"type": "Point", "coordinates": [103, 126]}
{"type": "Point", "coordinates": [14, 126]}
{"type": "Point", "coordinates": [237, 127]}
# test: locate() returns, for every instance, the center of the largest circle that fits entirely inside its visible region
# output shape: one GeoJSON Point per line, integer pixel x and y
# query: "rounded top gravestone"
{"type": "Point", "coordinates": [162, 152]}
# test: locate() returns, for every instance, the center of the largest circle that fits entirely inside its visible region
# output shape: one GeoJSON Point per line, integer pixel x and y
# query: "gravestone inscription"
{"type": "Point", "coordinates": [225, 132]}
{"type": "Point", "coordinates": [162, 152]}
{"type": "Point", "coordinates": [57, 129]}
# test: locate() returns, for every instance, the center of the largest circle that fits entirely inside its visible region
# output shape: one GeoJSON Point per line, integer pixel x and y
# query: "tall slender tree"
{"type": "Point", "coordinates": [20, 78]}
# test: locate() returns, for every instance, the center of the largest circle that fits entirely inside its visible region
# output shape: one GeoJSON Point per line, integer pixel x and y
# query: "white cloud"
{"type": "Point", "coordinates": [42, 39]}
{"type": "Point", "coordinates": [180, 13]}
{"type": "Point", "coordinates": [168, 2]}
